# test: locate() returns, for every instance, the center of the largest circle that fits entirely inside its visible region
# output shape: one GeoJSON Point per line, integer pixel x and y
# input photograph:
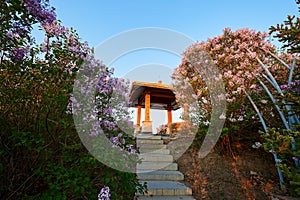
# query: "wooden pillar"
{"type": "Point", "coordinates": [147, 107]}
{"type": "Point", "coordinates": [169, 119]}
{"type": "Point", "coordinates": [169, 114]}
{"type": "Point", "coordinates": [138, 123]}
{"type": "Point", "coordinates": [147, 124]}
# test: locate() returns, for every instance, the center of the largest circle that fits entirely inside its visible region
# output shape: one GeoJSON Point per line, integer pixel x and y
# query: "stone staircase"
{"type": "Point", "coordinates": [163, 179]}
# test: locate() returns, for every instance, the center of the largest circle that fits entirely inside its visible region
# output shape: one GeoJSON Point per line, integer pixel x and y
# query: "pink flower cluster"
{"type": "Point", "coordinates": [235, 54]}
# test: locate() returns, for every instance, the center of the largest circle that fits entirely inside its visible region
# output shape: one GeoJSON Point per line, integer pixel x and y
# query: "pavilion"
{"type": "Point", "coordinates": [151, 96]}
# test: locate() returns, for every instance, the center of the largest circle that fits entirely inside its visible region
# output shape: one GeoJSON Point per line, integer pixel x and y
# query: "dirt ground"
{"type": "Point", "coordinates": [246, 175]}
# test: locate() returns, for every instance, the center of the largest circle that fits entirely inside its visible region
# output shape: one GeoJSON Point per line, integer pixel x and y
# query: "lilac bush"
{"type": "Point", "coordinates": [36, 101]}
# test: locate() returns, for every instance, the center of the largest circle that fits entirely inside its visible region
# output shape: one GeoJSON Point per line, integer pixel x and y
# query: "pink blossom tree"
{"type": "Point", "coordinates": [242, 57]}
{"type": "Point", "coordinates": [250, 68]}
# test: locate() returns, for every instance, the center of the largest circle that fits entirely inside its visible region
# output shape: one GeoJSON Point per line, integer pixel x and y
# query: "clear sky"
{"type": "Point", "coordinates": [98, 20]}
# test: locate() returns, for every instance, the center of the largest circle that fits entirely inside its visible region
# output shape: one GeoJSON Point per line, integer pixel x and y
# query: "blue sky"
{"type": "Point", "coordinates": [200, 19]}
{"type": "Point", "coordinates": [98, 20]}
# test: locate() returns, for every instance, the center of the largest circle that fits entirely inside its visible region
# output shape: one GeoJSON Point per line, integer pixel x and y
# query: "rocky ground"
{"type": "Point", "coordinates": [247, 174]}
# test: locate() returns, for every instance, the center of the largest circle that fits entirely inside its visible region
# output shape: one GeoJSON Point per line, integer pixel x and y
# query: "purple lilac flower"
{"type": "Point", "coordinates": [9, 35]}
{"type": "Point", "coordinates": [294, 86]}
{"type": "Point", "coordinates": [107, 111]}
{"type": "Point", "coordinates": [115, 140]}
{"type": "Point", "coordinates": [48, 15]}
{"type": "Point", "coordinates": [39, 9]}
{"type": "Point", "coordinates": [17, 54]}
{"type": "Point", "coordinates": [131, 149]}
{"type": "Point", "coordinates": [123, 141]}
{"type": "Point", "coordinates": [104, 193]}
{"type": "Point", "coordinates": [19, 29]}
{"type": "Point", "coordinates": [286, 87]}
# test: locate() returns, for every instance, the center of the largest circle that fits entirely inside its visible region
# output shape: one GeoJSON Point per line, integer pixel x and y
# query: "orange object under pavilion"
{"type": "Point", "coordinates": [151, 96]}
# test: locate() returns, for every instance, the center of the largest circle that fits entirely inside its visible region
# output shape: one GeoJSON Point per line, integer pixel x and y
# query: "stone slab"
{"type": "Point", "coordinates": [154, 151]}
{"type": "Point", "coordinates": [152, 166]}
{"type": "Point", "coordinates": [156, 157]}
{"type": "Point", "coordinates": [148, 136]}
{"type": "Point", "coordinates": [153, 146]}
{"type": "Point", "coordinates": [160, 175]}
{"type": "Point", "coordinates": [166, 198]}
{"type": "Point", "coordinates": [167, 188]}
{"type": "Point", "coordinates": [141, 142]}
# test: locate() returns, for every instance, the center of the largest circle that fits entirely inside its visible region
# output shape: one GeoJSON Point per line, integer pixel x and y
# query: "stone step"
{"type": "Point", "coordinates": [141, 142]}
{"type": "Point", "coordinates": [155, 151]}
{"type": "Point", "coordinates": [156, 157]}
{"type": "Point", "coordinates": [153, 146]}
{"type": "Point", "coordinates": [148, 136]}
{"type": "Point", "coordinates": [152, 166]}
{"type": "Point", "coordinates": [167, 188]}
{"type": "Point", "coordinates": [160, 175]}
{"type": "Point", "coordinates": [166, 198]}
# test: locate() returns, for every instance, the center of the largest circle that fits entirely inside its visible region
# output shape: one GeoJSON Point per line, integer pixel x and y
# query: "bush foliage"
{"type": "Point", "coordinates": [42, 156]}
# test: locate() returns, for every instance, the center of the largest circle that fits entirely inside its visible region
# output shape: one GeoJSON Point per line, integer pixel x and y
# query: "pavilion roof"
{"type": "Point", "coordinates": [161, 95]}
